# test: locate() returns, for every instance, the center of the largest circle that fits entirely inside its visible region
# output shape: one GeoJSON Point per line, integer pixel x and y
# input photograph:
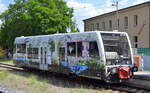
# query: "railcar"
{"type": "Point", "coordinates": [97, 54]}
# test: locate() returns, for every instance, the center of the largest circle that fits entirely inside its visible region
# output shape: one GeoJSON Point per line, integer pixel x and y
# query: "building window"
{"type": "Point", "coordinates": [92, 27]}
{"type": "Point", "coordinates": [135, 20]}
{"type": "Point", "coordinates": [110, 24]}
{"type": "Point", "coordinates": [97, 25]}
{"type": "Point", "coordinates": [118, 22]}
{"type": "Point", "coordinates": [103, 25]}
{"type": "Point", "coordinates": [126, 22]}
{"type": "Point", "coordinates": [87, 28]}
{"type": "Point", "coordinates": [135, 39]}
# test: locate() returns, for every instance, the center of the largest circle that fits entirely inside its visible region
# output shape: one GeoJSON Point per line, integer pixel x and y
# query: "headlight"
{"type": "Point", "coordinates": [114, 70]}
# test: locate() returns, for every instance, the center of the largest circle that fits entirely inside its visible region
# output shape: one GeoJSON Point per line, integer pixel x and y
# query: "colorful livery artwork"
{"type": "Point", "coordinates": [101, 55]}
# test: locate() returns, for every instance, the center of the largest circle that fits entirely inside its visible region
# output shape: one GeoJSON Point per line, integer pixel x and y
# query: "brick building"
{"type": "Point", "coordinates": [134, 20]}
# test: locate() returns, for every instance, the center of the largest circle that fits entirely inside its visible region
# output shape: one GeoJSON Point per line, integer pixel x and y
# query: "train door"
{"type": "Point", "coordinates": [49, 56]}
{"type": "Point", "coordinates": [43, 56]}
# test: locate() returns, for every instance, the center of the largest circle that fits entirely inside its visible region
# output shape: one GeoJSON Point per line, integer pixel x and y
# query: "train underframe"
{"type": "Point", "coordinates": [116, 74]}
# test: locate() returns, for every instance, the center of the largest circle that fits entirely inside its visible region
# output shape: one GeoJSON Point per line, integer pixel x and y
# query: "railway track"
{"type": "Point", "coordinates": [82, 80]}
{"type": "Point", "coordinates": [129, 89]}
{"type": "Point", "coordinates": [118, 87]}
{"type": "Point", "coordinates": [10, 66]}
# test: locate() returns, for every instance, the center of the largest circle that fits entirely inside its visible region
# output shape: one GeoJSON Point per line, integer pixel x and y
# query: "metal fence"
{"type": "Point", "coordinates": [144, 51]}
{"type": "Point", "coordinates": [141, 51]}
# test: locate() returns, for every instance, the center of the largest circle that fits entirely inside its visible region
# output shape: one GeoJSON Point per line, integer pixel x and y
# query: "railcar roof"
{"type": "Point", "coordinates": [57, 34]}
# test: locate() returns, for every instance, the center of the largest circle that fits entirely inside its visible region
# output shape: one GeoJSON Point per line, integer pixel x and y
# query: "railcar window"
{"type": "Point", "coordinates": [45, 53]}
{"type": "Point", "coordinates": [71, 49]}
{"type": "Point", "coordinates": [62, 54]}
{"type": "Point", "coordinates": [21, 48]}
{"type": "Point", "coordinates": [14, 49]}
{"type": "Point", "coordinates": [33, 53]}
{"type": "Point", "coordinates": [93, 49]}
{"type": "Point", "coordinates": [29, 50]}
{"type": "Point", "coordinates": [74, 49]}
{"type": "Point", "coordinates": [79, 49]}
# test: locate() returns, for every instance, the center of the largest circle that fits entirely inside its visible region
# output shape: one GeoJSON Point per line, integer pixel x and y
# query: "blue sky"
{"type": "Point", "coordinates": [84, 9]}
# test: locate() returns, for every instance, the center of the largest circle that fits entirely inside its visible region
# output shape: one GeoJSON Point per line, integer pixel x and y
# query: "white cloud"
{"type": "Point", "coordinates": [82, 9]}
{"type": "Point", "coordinates": [85, 10]}
{"type": "Point", "coordinates": [123, 2]}
{"type": "Point", "coordinates": [139, 1]}
{"type": "Point", "coordinates": [89, 10]}
{"type": "Point", "coordinates": [105, 10]}
{"type": "Point", "coordinates": [109, 3]}
{"type": "Point", "coordinates": [2, 7]}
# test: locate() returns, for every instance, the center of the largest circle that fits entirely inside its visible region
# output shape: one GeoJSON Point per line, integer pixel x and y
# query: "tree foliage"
{"type": "Point", "coordinates": [34, 17]}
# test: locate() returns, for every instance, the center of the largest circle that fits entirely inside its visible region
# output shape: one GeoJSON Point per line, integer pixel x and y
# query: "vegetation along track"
{"type": "Point", "coordinates": [87, 82]}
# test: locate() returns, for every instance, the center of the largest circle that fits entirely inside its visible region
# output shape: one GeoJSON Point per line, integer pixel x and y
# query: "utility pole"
{"type": "Point", "coordinates": [117, 14]}
{"type": "Point", "coordinates": [69, 27]}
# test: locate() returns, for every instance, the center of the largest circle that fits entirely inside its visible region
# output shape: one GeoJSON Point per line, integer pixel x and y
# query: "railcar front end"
{"type": "Point", "coordinates": [118, 57]}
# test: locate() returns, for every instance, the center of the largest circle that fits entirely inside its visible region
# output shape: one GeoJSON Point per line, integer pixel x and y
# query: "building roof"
{"type": "Point", "coordinates": [148, 2]}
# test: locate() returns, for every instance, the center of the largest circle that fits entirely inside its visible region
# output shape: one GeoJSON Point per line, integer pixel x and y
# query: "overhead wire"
{"type": "Point", "coordinates": [95, 6]}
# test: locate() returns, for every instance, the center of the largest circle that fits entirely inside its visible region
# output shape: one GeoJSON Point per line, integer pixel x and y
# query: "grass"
{"type": "Point", "coordinates": [7, 60]}
{"type": "Point", "coordinates": [3, 74]}
{"type": "Point", "coordinates": [33, 79]}
{"type": "Point", "coordinates": [33, 83]}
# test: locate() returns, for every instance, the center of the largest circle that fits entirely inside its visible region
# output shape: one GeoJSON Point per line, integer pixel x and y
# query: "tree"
{"type": "Point", "coordinates": [34, 17]}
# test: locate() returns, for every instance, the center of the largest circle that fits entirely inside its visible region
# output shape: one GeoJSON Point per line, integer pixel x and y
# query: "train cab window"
{"type": "Point", "coordinates": [71, 49]}
{"type": "Point", "coordinates": [21, 48]}
{"type": "Point", "coordinates": [93, 50]}
{"type": "Point", "coordinates": [33, 53]}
